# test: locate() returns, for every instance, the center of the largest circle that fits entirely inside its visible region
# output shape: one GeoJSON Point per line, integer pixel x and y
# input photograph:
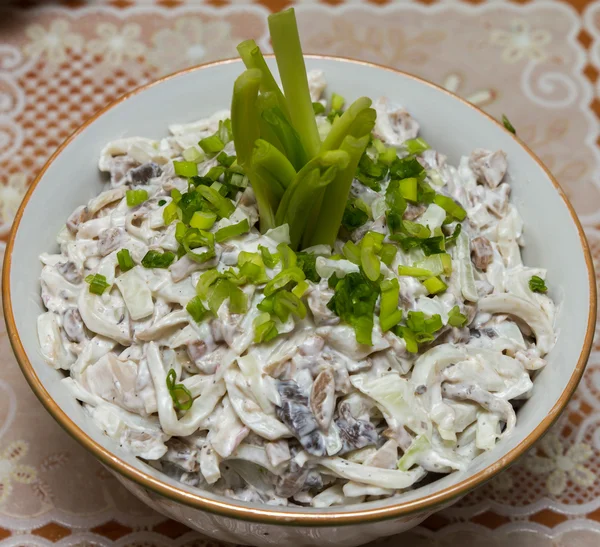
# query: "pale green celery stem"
{"type": "Point", "coordinates": [322, 161]}
{"type": "Point", "coordinates": [336, 194]}
{"type": "Point", "coordinates": [268, 157]}
{"type": "Point", "coordinates": [303, 202]}
{"type": "Point", "coordinates": [244, 115]}
{"type": "Point", "coordinates": [253, 58]}
{"type": "Point", "coordinates": [265, 198]}
{"type": "Point", "coordinates": [342, 126]}
{"type": "Point", "coordinates": [290, 61]}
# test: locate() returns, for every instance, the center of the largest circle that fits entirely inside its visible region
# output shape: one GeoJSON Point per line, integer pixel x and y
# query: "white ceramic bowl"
{"type": "Point", "coordinates": [554, 238]}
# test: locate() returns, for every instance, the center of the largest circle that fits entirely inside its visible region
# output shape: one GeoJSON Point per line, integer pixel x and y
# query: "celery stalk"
{"type": "Point", "coordinates": [253, 58]}
{"type": "Point", "coordinates": [266, 200]}
{"type": "Point", "coordinates": [336, 194]}
{"type": "Point", "coordinates": [244, 115]}
{"type": "Point", "coordinates": [290, 61]}
{"type": "Point", "coordinates": [268, 157]}
{"type": "Point", "coordinates": [347, 124]}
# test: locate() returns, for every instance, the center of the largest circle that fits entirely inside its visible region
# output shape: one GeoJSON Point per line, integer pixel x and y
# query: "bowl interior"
{"type": "Point", "coordinates": [554, 240]}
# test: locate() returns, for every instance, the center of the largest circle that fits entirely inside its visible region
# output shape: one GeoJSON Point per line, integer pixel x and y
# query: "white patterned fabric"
{"type": "Point", "coordinates": [537, 63]}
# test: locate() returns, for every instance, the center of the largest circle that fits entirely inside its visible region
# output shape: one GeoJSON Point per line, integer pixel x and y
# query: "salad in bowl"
{"type": "Point", "coordinates": [298, 301]}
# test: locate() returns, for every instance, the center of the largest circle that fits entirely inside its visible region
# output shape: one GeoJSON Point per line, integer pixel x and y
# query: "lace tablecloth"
{"type": "Point", "coordinates": [538, 63]}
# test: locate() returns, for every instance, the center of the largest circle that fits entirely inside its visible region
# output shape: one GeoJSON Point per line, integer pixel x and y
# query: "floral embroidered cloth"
{"type": "Point", "coordinates": [538, 63]}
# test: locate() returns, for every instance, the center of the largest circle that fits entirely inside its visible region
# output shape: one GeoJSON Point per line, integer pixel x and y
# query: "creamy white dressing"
{"type": "Point", "coordinates": [311, 417]}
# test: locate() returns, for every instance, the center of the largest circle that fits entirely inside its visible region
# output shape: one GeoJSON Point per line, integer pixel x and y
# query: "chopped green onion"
{"type": "Point", "coordinates": [125, 260]}
{"type": "Point", "coordinates": [300, 289]}
{"type": "Point", "coordinates": [415, 229]}
{"type": "Point", "coordinates": [162, 202]}
{"type": "Point", "coordinates": [233, 230]}
{"type": "Point", "coordinates": [222, 205]}
{"type": "Point", "coordinates": [409, 338]}
{"type": "Point", "coordinates": [412, 271]}
{"type": "Point", "coordinates": [251, 266]}
{"type": "Point", "coordinates": [405, 168]}
{"type": "Point", "coordinates": [450, 206]}
{"type": "Point", "coordinates": [389, 314]}
{"type": "Point", "coordinates": [537, 284]}
{"type": "Point", "coordinates": [224, 289]}
{"type": "Point", "coordinates": [455, 318]}
{"type": "Point", "coordinates": [371, 245]}
{"type": "Point", "coordinates": [270, 260]}
{"type": "Point", "coordinates": [354, 301]}
{"type": "Point", "coordinates": [195, 239]}
{"type": "Point", "coordinates": [353, 216]}
{"type": "Point", "coordinates": [286, 302]}
{"type": "Point", "coordinates": [211, 145]}
{"type": "Point", "coordinates": [337, 102]}
{"type": "Point", "coordinates": [284, 277]}
{"type": "Point", "coordinates": [196, 309]}
{"type": "Point", "coordinates": [181, 395]}
{"type": "Point", "coordinates": [170, 213]}
{"type": "Point", "coordinates": [185, 168]}
{"type": "Point", "coordinates": [205, 282]}
{"type": "Point", "coordinates": [435, 285]}
{"type": "Point", "coordinates": [203, 220]}
{"type": "Point", "coordinates": [508, 125]}
{"type": "Point", "coordinates": [215, 172]}
{"type": "Point", "coordinates": [318, 108]}
{"type": "Point", "coordinates": [352, 252]}
{"type": "Point", "coordinates": [156, 259]}
{"type": "Point", "coordinates": [408, 188]}
{"type": "Point", "coordinates": [225, 160]}
{"type": "Point", "coordinates": [264, 328]}
{"type": "Point", "coordinates": [175, 195]}
{"type": "Point", "coordinates": [388, 253]}
{"type": "Point", "coordinates": [135, 197]}
{"type": "Point", "coordinates": [387, 156]}
{"type": "Point", "coordinates": [98, 283]}
{"type": "Point", "coordinates": [307, 262]}
{"type": "Point", "coordinates": [416, 146]}
{"type": "Point", "coordinates": [437, 264]}
{"type": "Point", "coordinates": [287, 256]}
{"type": "Point", "coordinates": [193, 154]}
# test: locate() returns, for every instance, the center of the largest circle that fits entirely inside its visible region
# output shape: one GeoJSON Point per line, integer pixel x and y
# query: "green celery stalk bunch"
{"type": "Point", "coordinates": [297, 179]}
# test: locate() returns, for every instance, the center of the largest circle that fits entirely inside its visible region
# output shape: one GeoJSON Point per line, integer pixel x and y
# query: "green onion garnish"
{"type": "Point", "coordinates": [156, 259]}
{"type": "Point", "coordinates": [416, 146]}
{"type": "Point", "coordinates": [450, 206]}
{"type": "Point", "coordinates": [135, 197]}
{"type": "Point", "coordinates": [221, 205]}
{"type": "Point", "coordinates": [211, 145]}
{"type": "Point", "coordinates": [370, 246]}
{"type": "Point", "coordinates": [162, 202]}
{"type": "Point", "coordinates": [170, 213]}
{"type": "Point", "coordinates": [196, 309]}
{"type": "Point", "coordinates": [125, 260]}
{"type": "Point", "coordinates": [182, 398]}
{"type": "Point", "coordinates": [537, 284]}
{"type": "Point", "coordinates": [203, 220]}
{"type": "Point", "coordinates": [233, 230]}
{"type": "Point", "coordinates": [435, 285]}
{"type": "Point", "coordinates": [264, 328]}
{"type": "Point", "coordinates": [388, 253]}
{"type": "Point", "coordinates": [318, 108]}
{"type": "Point", "coordinates": [508, 125]}
{"type": "Point", "coordinates": [455, 318]}
{"type": "Point", "coordinates": [389, 314]}
{"type": "Point", "coordinates": [193, 154]}
{"type": "Point", "coordinates": [185, 168]}
{"type": "Point", "coordinates": [98, 283]}
{"type": "Point", "coordinates": [408, 188]}
{"type": "Point", "coordinates": [269, 259]}
{"type": "Point", "coordinates": [291, 275]}
{"type": "Point", "coordinates": [411, 271]}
